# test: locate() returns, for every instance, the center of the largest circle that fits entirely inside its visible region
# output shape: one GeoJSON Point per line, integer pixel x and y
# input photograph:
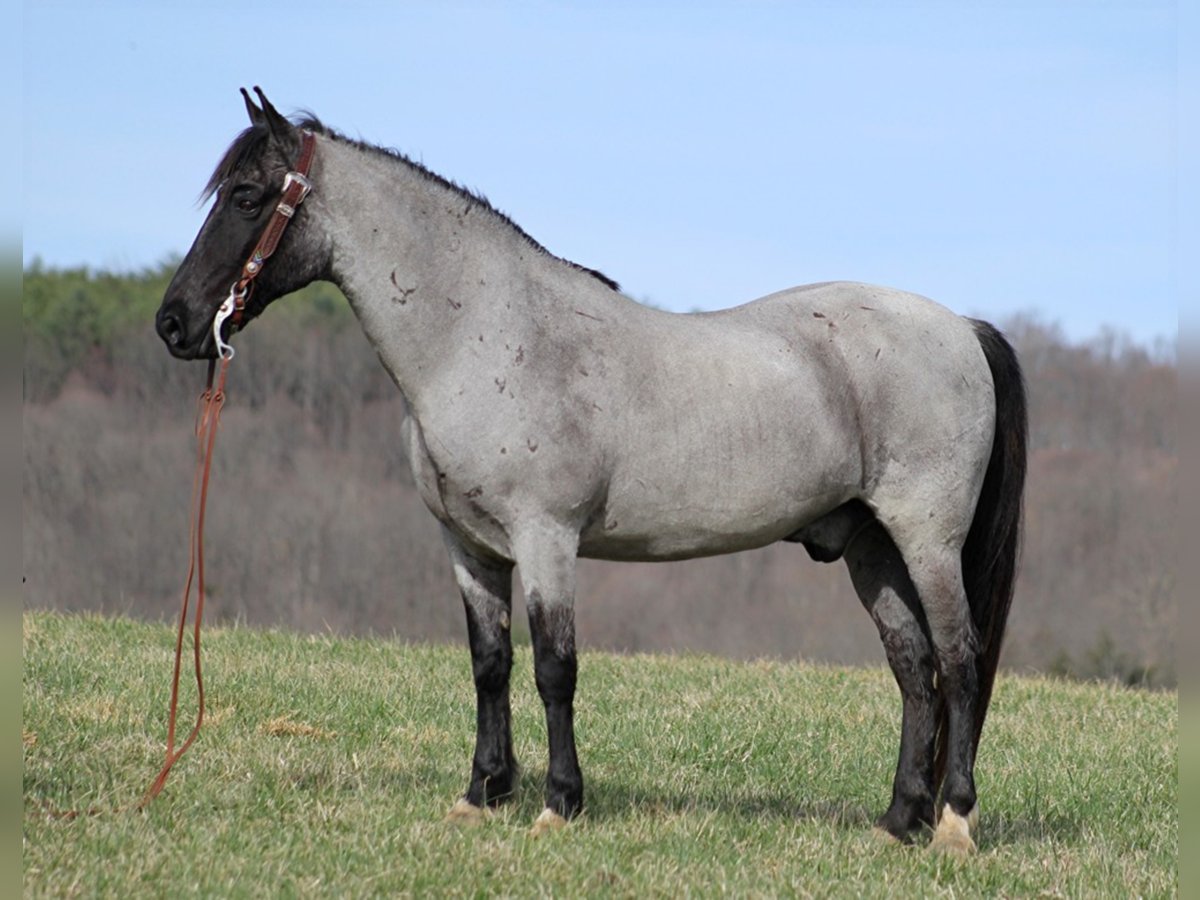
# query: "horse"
{"type": "Point", "coordinates": [551, 417]}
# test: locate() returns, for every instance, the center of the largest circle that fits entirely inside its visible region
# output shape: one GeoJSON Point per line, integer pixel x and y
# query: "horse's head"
{"type": "Point", "coordinates": [248, 183]}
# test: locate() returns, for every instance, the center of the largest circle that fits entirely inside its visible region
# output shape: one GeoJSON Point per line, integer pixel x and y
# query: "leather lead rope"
{"type": "Point", "coordinates": [207, 417]}
{"type": "Point", "coordinates": [208, 412]}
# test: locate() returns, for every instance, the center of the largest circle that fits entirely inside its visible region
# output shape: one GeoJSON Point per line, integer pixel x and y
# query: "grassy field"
{"type": "Point", "coordinates": [325, 768]}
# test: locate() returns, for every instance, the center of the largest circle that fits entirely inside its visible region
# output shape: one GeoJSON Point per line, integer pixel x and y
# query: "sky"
{"type": "Point", "coordinates": [999, 157]}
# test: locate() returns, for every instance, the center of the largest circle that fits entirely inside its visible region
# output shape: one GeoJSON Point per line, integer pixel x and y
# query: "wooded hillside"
{"type": "Point", "coordinates": [315, 524]}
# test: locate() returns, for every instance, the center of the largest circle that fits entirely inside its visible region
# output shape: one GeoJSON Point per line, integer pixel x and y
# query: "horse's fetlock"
{"type": "Point", "coordinates": [958, 794]}
{"type": "Point", "coordinates": [493, 778]}
{"type": "Point", "coordinates": [565, 795]}
{"type": "Point", "coordinates": [915, 791]}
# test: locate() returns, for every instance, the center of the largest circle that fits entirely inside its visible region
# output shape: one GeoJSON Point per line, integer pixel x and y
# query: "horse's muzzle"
{"type": "Point", "coordinates": [171, 323]}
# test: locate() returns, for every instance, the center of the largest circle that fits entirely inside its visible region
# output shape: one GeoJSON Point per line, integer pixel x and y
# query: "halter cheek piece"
{"type": "Point", "coordinates": [295, 188]}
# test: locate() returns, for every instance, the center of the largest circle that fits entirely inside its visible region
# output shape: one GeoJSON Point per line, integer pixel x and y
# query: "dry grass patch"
{"type": "Point", "coordinates": [285, 726]}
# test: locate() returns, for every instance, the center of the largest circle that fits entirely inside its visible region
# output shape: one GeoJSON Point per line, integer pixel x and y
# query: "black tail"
{"type": "Point", "coordinates": [989, 556]}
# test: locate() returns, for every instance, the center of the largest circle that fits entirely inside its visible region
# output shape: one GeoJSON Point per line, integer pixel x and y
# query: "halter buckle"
{"type": "Point", "coordinates": [296, 178]}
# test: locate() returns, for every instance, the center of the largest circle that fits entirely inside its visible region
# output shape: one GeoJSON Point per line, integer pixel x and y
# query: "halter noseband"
{"type": "Point", "coordinates": [295, 188]}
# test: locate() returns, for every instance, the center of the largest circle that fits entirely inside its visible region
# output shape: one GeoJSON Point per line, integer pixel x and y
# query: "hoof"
{"type": "Point", "coordinates": [464, 812]}
{"type": "Point", "coordinates": [548, 821]}
{"type": "Point", "coordinates": [953, 834]}
{"type": "Point", "coordinates": [884, 837]}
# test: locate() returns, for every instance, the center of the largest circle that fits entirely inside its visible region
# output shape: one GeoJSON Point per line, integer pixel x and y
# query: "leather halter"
{"type": "Point", "coordinates": [295, 188]}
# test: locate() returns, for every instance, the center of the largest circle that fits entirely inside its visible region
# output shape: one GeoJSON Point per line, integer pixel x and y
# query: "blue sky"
{"type": "Point", "coordinates": [999, 157]}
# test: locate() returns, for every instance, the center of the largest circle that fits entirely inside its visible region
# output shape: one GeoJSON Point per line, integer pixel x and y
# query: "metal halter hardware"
{"type": "Point", "coordinates": [296, 187]}
{"type": "Point", "coordinates": [289, 179]}
{"type": "Point", "coordinates": [236, 301]}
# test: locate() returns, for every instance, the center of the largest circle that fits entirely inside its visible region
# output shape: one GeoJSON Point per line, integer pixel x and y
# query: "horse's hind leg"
{"type": "Point", "coordinates": [935, 568]}
{"type": "Point", "coordinates": [881, 580]}
{"type": "Point", "coordinates": [486, 587]}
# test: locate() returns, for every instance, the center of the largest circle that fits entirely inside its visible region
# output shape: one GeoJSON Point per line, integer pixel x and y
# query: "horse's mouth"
{"type": "Point", "coordinates": [204, 350]}
{"type": "Point", "coordinates": [184, 343]}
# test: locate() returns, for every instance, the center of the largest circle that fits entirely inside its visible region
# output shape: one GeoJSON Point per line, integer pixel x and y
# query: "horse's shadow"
{"type": "Point", "coordinates": [610, 800]}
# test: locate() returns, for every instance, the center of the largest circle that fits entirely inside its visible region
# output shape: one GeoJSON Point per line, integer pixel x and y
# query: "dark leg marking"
{"type": "Point", "coordinates": [938, 580]}
{"type": "Point", "coordinates": [487, 597]}
{"type": "Point", "coordinates": [552, 628]}
{"type": "Point", "coordinates": [882, 582]}
{"type": "Point", "coordinates": [960, 686]}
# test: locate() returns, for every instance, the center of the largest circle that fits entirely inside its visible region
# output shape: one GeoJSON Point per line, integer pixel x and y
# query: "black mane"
{"type": "Point", "coordinates": [253, 141]}
{"type": "Point", "coordinates": [246, 146]}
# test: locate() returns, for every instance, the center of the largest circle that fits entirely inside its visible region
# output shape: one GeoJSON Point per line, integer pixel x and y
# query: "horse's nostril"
{"type": "Point", "coordinates": [170, 328]}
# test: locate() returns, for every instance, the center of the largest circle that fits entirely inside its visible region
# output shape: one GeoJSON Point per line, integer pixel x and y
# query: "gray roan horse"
{"type": "Point", "coordinates": [552, 417]}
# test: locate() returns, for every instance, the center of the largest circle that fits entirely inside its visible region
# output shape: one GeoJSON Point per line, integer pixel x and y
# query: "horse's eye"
{"type": "Point", "coordinates": [247, 199]}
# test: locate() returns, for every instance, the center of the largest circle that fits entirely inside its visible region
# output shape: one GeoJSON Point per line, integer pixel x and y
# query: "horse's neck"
{"type": "Point", "coordinates": [424, 268]}
{"type": "Point", "coordinates": [442, 285]}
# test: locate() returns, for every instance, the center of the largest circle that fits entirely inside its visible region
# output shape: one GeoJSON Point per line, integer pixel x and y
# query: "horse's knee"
{"type": "Point", "coordinates": [552, 630]}
{"type": "Point", "coordinates": [491, 667]}
{"type": "Point", "coordinates": [491, 646]}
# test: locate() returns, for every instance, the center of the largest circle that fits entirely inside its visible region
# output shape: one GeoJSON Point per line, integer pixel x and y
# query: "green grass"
{"type": "Point", "coordinates": [326, 766]}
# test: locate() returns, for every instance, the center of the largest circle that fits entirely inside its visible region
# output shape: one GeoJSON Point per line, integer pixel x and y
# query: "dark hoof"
{"type": "Point", "coordinates": [904, 821]}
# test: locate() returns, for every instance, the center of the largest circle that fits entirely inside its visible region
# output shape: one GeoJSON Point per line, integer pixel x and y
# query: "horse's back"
{"type": "Point", "coordinates": [896, 356]}
{"type": "Point", "coordinates": [902, 357]}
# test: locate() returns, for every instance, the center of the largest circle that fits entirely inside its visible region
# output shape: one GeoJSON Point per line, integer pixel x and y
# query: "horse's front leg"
{"type": "Point", "coordinates": [486, 587]}
{"type": "Point", "coordinates": [546, 558]}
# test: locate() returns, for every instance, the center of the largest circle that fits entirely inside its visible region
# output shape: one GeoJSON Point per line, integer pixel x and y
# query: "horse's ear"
{"type": "Point", "coordinates": [281, 129]}
{"type": "Point", "coordinates": [256, 114]}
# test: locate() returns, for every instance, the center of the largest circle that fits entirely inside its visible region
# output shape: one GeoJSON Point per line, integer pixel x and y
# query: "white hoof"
{"type": "Point", "coordinates": [953, 834]}
{"type": "Point", "coordinates": [463, 812]}
{"type": "Point", "coordinates": [548, 821]}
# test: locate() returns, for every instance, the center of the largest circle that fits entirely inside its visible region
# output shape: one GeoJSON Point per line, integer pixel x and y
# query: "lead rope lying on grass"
{"type": "Point", "coordinates": [208, 412]}
{"type": "Point", "coordinates": [207, 415]}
